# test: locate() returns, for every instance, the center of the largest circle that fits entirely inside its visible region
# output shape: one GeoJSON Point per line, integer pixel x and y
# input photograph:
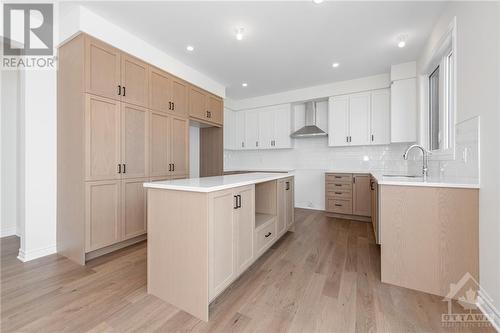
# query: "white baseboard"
{"type": "Point", "coordinates": [37, 253]}
{"type": "Point", "coordinates": [8, 231]}
{"type": "Point", "coordinates": [489, 310]}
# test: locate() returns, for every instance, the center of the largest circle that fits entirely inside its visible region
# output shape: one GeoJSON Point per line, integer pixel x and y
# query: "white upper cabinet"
{"type": "Point", "coordinates": [338, 121]}
{"type": "Point", "coordinates": [359, 119]}
{"type": "Point", "coordinates": [252, 129]}
{"type": "Point", "coordinates": [262, 128]}
{"type": "Point", "coordinates": [381, 117]}
{"type": "Point", "coordinates": [404, 110]}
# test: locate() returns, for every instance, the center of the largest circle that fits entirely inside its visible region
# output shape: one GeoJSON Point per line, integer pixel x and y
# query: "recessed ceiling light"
{"type": "Point", "coordinates": [318, 1]}
{"type": "Point", "coordinates": [335, 65]}
{"type": "Point", "coordinates": [401, 41]}
{"type": "Point", "coordinates": [244, 84]}
{"type": "Point", "coordinates": [190, 48]}
{"type": "Point", "coordinates": [239, 33]}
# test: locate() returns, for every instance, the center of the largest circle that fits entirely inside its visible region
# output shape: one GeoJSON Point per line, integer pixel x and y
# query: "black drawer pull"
{"type": "Point", "coordinates": [338, 205]}
{"type": "Point", "coordinates": [123, 91]}
{"type": "Point", "coordinates": [338, 184]}
{"type": "Point", "coordinates": [338, 192]}
{"type": "Point", "coordinates": [267, 235]}
{"type": "Point", "coordinates": [338, 176]}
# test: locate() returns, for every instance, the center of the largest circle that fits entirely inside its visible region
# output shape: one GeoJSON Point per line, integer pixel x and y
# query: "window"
{"type": "Point", "coordinates": [440, 92]}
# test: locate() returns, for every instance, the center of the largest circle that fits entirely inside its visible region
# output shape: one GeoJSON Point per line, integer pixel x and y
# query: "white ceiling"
{"type": "Point", "coordinates": [287, 45]}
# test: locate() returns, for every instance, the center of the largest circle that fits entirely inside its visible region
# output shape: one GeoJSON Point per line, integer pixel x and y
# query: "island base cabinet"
{"type": "Point", "coordinates": [286, 205]}
{"type": "Point", "coordinates": [231, 223]}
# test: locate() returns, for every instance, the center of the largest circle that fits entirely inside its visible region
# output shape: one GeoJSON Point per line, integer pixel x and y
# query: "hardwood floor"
{"type": "Point", "coordinates": [325, 277]}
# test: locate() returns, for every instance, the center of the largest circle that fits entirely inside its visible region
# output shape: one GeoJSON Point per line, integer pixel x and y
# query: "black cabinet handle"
{"type": "Point", "coordinates": [123, 91]}
{"type": "Point", "coordinates": [338, 205]}
{"type": "Point", "coordinates": [169, 166]}
{"type": "Point", "coordinates": [373, 137]}
{"type": "Point", "coordinates": [338, 192]}
{"type": "Point", "coordinates": [124, 168]}
{"type": "Point", "coordinates": [354, 180]}
{"type": "Point", "coordinates": [239, 200]}
{"type": "Point", "coordinates": [170, 105]}
{"type": "Point", "coordinates": [268, 234]}
{"type": "Point", "coordinates": [287, 187]}
{"type": "Point", "coordinates": [235, 202]}
{"type": "Point", "coordinates": [256, 143]}
{"type": "Point", "coordinates": [338, 184]}
{"type": "Point", "coordinates": [173, 166]}
{"type": "Point", "coordinates": [119, 90]}
{"type": "Point", "coordinates": [338, 176]}
{"type": "Point", "coordinates": [173, 106]}
{"type": "Point", "coordinates": [119, 168]}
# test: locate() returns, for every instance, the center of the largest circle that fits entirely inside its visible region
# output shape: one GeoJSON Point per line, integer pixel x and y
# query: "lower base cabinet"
{"type": "Point", "coordinates": [285, 204]}
{"type": "Point", "coordinates": [115, 211]}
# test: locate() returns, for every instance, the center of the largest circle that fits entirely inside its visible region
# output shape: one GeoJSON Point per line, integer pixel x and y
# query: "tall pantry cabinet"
{"type": "Point", "coordinates": [117, 128]}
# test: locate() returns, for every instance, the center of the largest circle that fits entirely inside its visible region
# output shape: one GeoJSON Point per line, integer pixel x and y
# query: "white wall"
{"type": "Point", "coordinates": [9, 147]}
{"type": "Point", "coordinates": [478, 91]}
{"type": "Point", "coordinates": [194, 152]}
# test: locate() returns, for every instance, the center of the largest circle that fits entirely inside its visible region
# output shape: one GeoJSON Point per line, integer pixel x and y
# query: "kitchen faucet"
{"type": "Point", "coordinates": [425, 157]}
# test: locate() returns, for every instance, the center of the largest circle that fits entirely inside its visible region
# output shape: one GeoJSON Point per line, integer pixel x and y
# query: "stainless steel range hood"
{"type": "Point", "coordinates": [310, 129]}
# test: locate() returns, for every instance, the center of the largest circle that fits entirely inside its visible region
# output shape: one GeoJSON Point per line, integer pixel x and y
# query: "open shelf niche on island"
{"type": "Point", "coordinates": [266, 208]}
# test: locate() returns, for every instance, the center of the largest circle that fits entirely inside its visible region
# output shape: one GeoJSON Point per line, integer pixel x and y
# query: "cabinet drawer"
{"type": "Point", "coordinates": [338, 187]}
{"type": "Point", "coordinates": [265, 236]}
{"type": "Point", "coordinates": [340, 206]}
{"type": "Point", "coordinates": [340, 194]}
{"type": "Point", "coordinates": [338, 177]}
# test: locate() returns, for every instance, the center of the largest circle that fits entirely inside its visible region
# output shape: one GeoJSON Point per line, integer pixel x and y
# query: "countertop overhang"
{"type": "Point", "coordinates": [216, 183]}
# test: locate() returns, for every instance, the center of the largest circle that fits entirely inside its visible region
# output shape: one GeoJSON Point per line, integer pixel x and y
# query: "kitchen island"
{"type": "Point", "coordinates": [203, 233]}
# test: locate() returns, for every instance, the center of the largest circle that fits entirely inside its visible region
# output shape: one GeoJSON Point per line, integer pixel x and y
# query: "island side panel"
{"type": "Point", "coordinates": [429, 236]}
{"type": "Point", "coordinates": [178, 249]}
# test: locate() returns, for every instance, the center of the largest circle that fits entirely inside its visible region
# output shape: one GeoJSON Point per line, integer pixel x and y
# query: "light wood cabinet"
{"type": "Point", "coordinates": [102, 214]}
{"type": "Point", "coordinates": [348, 194]}
{"type": "Point", "coordinates": [160, 145]}
{"type": "Point", "coordinates": [102, 138]}
{"type": "Point", "coordinates": [205, 106]}
{"type": "Point", "coordinates": [361, 195]}
{"type": "Point", "coordinates": [215, 109]}
{"type": "Point", "coordinates": [285, 205]}
{"type": "Point", "coordinates": [133, 205]}
{"type": "Point", "coordinates": [244, 222]}
{"type": "Point", "coordinates": [289, 202]}
{"type": "Point", "coordinates": [222, 246]}
{"type": "Point", "coordinates": [102, 69]}
{"type": "Point", "coordinates": [134, 141]}
{"type": "Point", "coordinates": [180, 97]}
{"type": "Point", "coordinates": [197, 103]}
{"type": "Point", "coordinates": [134, 81]}
{"type": "Point", "coordinates": [179, 146]}
{"type": "Point", "coordinates": [168, 93]}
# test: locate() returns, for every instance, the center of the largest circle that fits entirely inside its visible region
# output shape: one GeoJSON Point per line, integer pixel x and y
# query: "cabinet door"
{"type": "Point", "coordinates": [374, 207]}
{"type": "Point", "coordinates": [102, 138]}
{"type": "Point", "coordinates": [102, 69]}
{"type": "Point", "coordinates": [215, 107]}
{"type": "Point", "coordinates": [222, 233]}
{"type": "Point", "coordinates": [229, 130]}
{"type": "Point", "coordinates": [359, 119]}
{"type": "Point", "coordinates": [404, 110]}
{"type": "Point", "coordinates": [160, 92]}
{"type": "Point", "coordinates": [179, 146]}
{"type": "Point", "coordinates": [102, 214]}
{"type": "Point", "coordinates": [159, 145]}
{"type": "Point", "coordinates": [282, 128]}
{"type": "Point", "coordinates": [134, 141]}
{"type": "Point", "coordinates": [135, 81]}
{"type": "Point", "coordinates": [133, 204]}
{"type": "Point", "coordinates": [197, 103]}
{"type": "Point", "coordinates": [251, 129]}
{"type": "Point", "coordinates": [266, 129]}
{"type": "Point", "coordinates": [282, 206]}
{"type": "Point", "coordinates": [179, 96]}
{"type": "Point", "coordinates": [289, 202]}
{"type": "Point", "coordinates": [245, 224]}
{"type": "Point", "coordinates": [338, 121]}
{"type": "Point", "coordinates": [361, 195]}
{"type": "Point", "coordinates": [239, 130]}
{"type": "Point", "coordinates": [380, 117]}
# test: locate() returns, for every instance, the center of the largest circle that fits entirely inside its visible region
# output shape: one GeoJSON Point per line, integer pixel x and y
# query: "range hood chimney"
{"type": "Point", "coordinates": [310, 129]}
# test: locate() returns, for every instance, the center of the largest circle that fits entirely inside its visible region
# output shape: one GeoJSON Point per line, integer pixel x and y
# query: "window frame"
{"type": "Point", "coordinates": [440, 57]}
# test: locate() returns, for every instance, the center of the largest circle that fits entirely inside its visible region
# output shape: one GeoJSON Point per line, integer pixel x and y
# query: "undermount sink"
{"type": "Point", "coordinates": [403, 176]}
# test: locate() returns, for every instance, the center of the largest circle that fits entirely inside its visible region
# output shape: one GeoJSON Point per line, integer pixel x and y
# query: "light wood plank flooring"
{"type": "Point", "coordinates": [325, 277]}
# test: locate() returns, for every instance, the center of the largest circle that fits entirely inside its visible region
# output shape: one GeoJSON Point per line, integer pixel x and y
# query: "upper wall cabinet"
{"type": "Point", "coordinates": [359, 119]}
{"type": "Point", "coordinates": [168, 93]}
{"type": "Point", "coordinates": [114, 74]}
{"type": "Point", "coordinates": [404, 110]}
{"type": "Point", "coordinates": [205, 107]}
{"type": "Point", "coordinates": [262, 128]}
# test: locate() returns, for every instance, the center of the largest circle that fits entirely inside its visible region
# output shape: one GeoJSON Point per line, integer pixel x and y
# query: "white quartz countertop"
{"type": "Point", "coordinates": [217, 183]}
{"type": "Point", "coordinates": [265, 170]}
{"type": "Point", "coordinates": [383, 179]}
